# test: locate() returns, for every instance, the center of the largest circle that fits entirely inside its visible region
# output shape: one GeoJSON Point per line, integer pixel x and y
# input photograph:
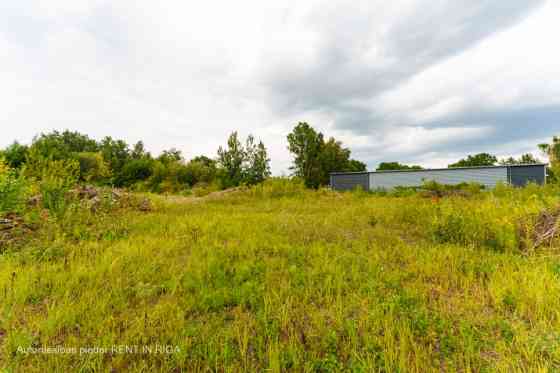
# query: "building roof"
{"type": "Point", "coordinates": [442, 169]}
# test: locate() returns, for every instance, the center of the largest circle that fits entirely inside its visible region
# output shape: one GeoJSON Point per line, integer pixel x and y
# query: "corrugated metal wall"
{"type": "Point", "coordinates": [350, 181]}
{"type": "Point", "coordinates": [522, 175]}
{"type": "Point", "coordinates": [518, 175]}
{"type": "Point", "coordinates": [489, 177]}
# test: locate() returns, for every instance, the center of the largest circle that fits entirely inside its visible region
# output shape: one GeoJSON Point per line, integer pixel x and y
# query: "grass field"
{"type": "Point", "coordinates": [278, 278]}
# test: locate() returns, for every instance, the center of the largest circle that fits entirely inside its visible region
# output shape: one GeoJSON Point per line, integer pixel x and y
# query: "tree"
{"type": "Point", "coordinates": [93, 167]}
{"type": "Point", "coordinates": [552, 151]}
{"type": "Point", "coordinates": [306, 145]}
{"type": "Point", "coordinates": [257, 163]}
{"type": "Point", "coordinates": [171, 155]}
{"type": "Point", "coordinates": [356, 166]}
{"type": "Point", "coordinates": [231, 160]}
{"type": "Point", "coordinates": [334, 157]}
{"type": "Point", "coordinates": [15, 154]}
{"type": "Point", "coordinates": [387, 166]}
{"type": "Point", "coordinates": [239, 164]}
{"type": "Point", "coordinates": [315, 159]}
{"type": "Point", "coordinates": [524, 159]}
{"type": "Point", "coordinates": [77, 142]}
{"type": "Point", "coordinates": [116, 153]}
{"type": "Point", "coordinates": [200, 169]}
{"type": "Point", "coordinates": [60, 146]}
{"type": "Point", "coordinates": [481, 159]}
{"type": "Point", "coordinates": [208, 162]}
{"type": "Point", "coordinates": [135, 170]}
{"type": "Point", "coordinates": [139, 152]}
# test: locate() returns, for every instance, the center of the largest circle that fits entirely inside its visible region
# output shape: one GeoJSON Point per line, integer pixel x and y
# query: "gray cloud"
{"type": "Point", "coordinates": [417, 81]}
{"type": "Point", "coordinates": [525, 126]}
{"type": "Point", "coordinates": [355, 57]}
{"type": "Point", "coordinates": [356, 60]}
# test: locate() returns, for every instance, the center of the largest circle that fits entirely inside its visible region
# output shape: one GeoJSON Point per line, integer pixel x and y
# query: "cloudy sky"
{"type": "Point", "coordinates": [419, 81]}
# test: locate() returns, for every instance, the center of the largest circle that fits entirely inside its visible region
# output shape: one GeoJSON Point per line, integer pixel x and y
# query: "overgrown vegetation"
{"type": "Point", "coordinates": [282, 278]}
{"type": "Point", "coordinates": [113, 162]}
{"type": "Point", "coordinates": [45, 201]}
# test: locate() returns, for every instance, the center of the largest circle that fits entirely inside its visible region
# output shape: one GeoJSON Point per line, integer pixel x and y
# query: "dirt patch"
{"type": "Point", "coordinates": [221, 193]}
{"type": "Point", "coordinates": [212, 195]}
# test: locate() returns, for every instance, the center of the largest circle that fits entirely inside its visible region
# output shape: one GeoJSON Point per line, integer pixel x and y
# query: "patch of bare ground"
{"type": "Point", "coordinates": [195, 199]}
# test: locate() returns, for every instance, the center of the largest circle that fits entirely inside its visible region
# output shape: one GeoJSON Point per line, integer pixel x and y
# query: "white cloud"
{"type": "Point", "coordinates": [414, 80]}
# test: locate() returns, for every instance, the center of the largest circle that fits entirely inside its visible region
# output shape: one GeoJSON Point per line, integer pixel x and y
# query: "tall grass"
{"type": "Point", "coordinates": [276, 278]}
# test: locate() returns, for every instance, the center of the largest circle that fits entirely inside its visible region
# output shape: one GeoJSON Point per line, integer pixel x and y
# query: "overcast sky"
{"type": "Point", "coordinates": [418, 81]}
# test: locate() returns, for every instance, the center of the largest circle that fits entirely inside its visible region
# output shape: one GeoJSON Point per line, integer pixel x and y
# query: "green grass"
{"type": "Point", "coordinates": [276, 278]}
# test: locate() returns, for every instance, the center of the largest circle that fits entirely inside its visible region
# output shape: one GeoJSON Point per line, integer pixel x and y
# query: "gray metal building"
{"type": "Point", "coordinates": [489, 176]}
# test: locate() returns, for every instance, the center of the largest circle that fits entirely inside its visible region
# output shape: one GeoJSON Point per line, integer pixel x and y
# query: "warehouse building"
{"type": "Point", "coordinates": [489, 176]}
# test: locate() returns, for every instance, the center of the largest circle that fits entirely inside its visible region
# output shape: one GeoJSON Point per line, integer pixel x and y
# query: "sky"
{"type": "Point", "coordinates": [417, 81]}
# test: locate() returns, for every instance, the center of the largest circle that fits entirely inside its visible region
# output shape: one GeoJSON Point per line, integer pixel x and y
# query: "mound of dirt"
{"type": "Point", "coordinates": [93, 198]}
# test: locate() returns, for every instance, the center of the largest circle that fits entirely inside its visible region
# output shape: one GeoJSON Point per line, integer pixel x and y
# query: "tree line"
{"type": "Point", "coordinates": [114, 162]}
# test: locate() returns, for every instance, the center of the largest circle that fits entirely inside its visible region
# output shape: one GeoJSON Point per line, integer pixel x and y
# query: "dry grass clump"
{"type": "Point", "coordinates": [540, 230]}
{"type": "Point", "coordinates": [547, 227]}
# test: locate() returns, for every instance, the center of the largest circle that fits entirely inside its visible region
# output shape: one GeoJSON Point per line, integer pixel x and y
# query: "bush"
{"type": "Point", "coordinates": [480, 225]}
{"type": "Point", "coordinates": [173, 176]}
{"type": "Point", "coordinates": [159, 173]}
{"type": "Point", "coordinates": [134, 171]}
{"type": "Point", "coordinates": [93, 167]}
{"type": "Point", "coordinates": [13, 189]}
{"type": "Point", "coordinates": [54, 179]}
{"type": "Point", "coordinates": [276, 187]}
{"type": "Point", "coordinates": [199, 172]}
{"type": "Point", "coordinates": [15, 154]}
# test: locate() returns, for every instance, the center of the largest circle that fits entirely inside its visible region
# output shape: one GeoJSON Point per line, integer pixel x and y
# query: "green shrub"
{"type": "Point", "coordinates": [134, 171]}
{"type": "Point", "coordinates": [93, 167]}
{"type": "Point", "coordinates": [276, 187]}
{"type": "Point", "coordinates": [15, 154]}
{"type": "Point", "coordinates": [13, 189]}
{"type": "Point", "coordinates": [54, 180]}
{"type": "Point", "coordinates": [197, 171]}
{"type": "Point", "coordinates": [169, 177]}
